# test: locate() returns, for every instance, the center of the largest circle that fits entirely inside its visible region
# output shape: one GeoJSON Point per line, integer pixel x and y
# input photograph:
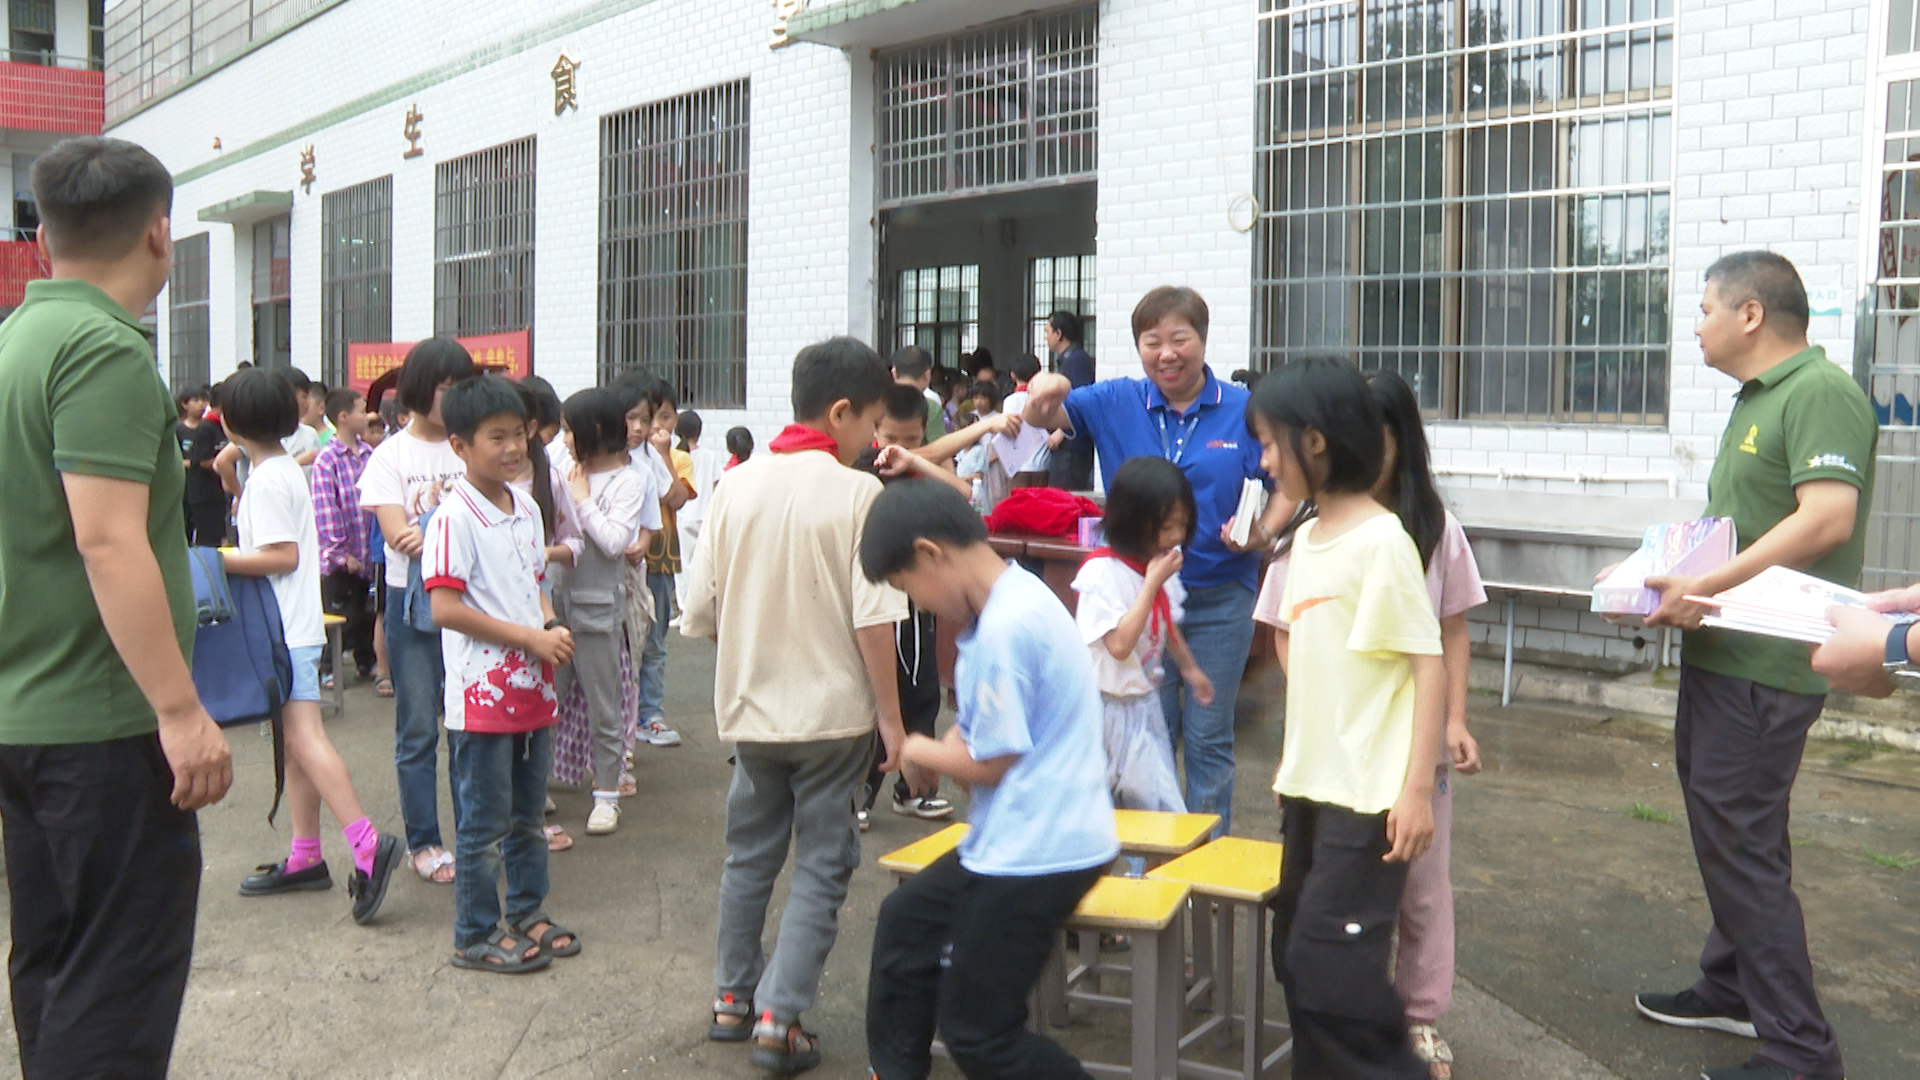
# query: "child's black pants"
{"type": "Point", "coordinates": [350, 595]}
{"type": "Point", "coordinates": [1333, 925]}
{"type": "Point", "coordinates": [1002, 930]}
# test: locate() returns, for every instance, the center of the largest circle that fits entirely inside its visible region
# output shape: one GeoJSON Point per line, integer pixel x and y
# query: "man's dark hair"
{"type": "Point", "coordinates": [905, 403]}
{"type": "Point", "coordinates": [259, 405]}
{"type": "Point", "coordinates": [1165, 300]}
{"type": "Point", "coordinates": [598, 423]}
{"type": "Point", "coordinates": [1144, 493]}
{"type": "Point", "coordinates": [985, 389]}
{"type": "Point", "coordinates": [96, 196]}
{"type": "Point", "coordinates": [740, 443]}
{"type": "Point", "coordinates": [911, 362]}
{"type": "Point", "coordinates": [476, 400]}
{"type": "Point", "coordinates": [911, 510]}
{"type": "Point", "coordinates": [1025, 367]}
{"type": "Point", "coordinates": [428, 364]}
{"type": "Point", "coordinates": [1067, 325]}
{"type": "Point", "coordinates": [1768, 278]}
{"type": "Point", "coordinates": [342, 400]}
{"type": "Point", "coordinates": [837, 369]}
{"type": "Point", "coordinates": [687, 429]}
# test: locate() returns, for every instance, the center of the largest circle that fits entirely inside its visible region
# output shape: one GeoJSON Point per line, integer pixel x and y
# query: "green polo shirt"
{"type": "Point", "coordinates": [79, 393]}
{"type": "Point", "coordinates": [1805, 419]}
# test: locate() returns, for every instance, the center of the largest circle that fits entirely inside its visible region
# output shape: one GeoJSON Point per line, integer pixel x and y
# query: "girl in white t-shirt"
{"type": "Point", "coordinates": [610, 505]}
{"type": "Point", "coordinates": [279, 541]}
{"type": "Point", "coordinates": [404, 479]}
{"type": "Point", "coordinates": [1129, 611]}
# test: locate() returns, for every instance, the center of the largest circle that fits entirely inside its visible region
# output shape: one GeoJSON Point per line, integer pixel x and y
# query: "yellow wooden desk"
{"type": "Point", "coordinates": [1153, 914]}
{"type": "Point", "coordinates": [917, 856]}
{"type": "Point", "coordinates": [1159, 835]}
{"type": "Point", "coordinates": [1239, 875]}
{"type": "Point", "coordinates": [336, 629]}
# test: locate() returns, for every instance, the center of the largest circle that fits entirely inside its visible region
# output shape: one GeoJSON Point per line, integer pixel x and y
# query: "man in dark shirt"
{"type": "Point", "coordinates": [200, 442]}
{"type": "Point", "coordinates": [1072, 463]}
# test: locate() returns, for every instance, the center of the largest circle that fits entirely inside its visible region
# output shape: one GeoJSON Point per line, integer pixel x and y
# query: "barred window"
{"type": "Point", "coordinates": [188, 345]}
{"type": "Point", "coordinates": [673, 244]}
{"type": "Point", "coordinates": [1059, 283]}
{"type": "Point", "coordinates": [1473, 193]}
{"type": "Point", "coordinates": [939, 310]}
{"type": "Point", "coordinates": [151, 46]}
{"type": "Point", "coordinates": [1009, 105]}
{"type": "Point", "coordinates": [483, 241]}
{"type": "Point", "coordinates": [1893, 530]}
{"type": "Point", "coordinates": [356, 272]}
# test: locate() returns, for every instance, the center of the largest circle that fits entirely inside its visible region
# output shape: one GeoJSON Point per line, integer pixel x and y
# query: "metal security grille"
{"type": "Point", "coordinates": [1059, 283]}
{"type": "Point", "coordinates": [939, 310]}
{"type": "Point", "coordinates": [189, 350]}
{"type": "Point", "coordinates": [1473, 193]}
{"type": "Point", "coordinates": [483, 241]}
{"type": "Point", "coordinates": [151, 46]}
{"type": "Point", "coordinates": [1009, 105]}
{"type": "Point", "coordinates": [1893, 378]}
{"type": "Point", "coordinates": [356, 272]}
{"type": "Point", "coordinates": [1903, 27]}
{"type": "Point", "coordinates": [673, 244]}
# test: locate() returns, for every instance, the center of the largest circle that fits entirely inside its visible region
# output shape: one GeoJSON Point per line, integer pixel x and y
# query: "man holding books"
{"type": "Point", "coordinates": [1795, 473]}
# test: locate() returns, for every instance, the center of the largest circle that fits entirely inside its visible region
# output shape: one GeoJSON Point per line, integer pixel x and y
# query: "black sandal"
{"type": "Point", "coordinates": [480, 956]}
{"type": "Point", "coordinates": [798, 1052]}
{"type": "Point", "coordinates": [727, 1005]}
{"type": "Point", "coordinates": [525, 929]}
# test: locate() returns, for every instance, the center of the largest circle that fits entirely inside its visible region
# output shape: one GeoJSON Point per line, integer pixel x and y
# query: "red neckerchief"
{"type": "Point", "coordinates": [1019, 388]}
{"type": "Point", "coordinates": [732, 460]}
{"type": "Point", "coordinates": [797, 437]}
{"type": "Point", "coordinates": [1162, 607]}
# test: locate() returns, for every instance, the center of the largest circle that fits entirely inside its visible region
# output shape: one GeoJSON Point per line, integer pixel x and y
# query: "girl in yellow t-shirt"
{"type": "Point", "coordinates": [1366, 692]}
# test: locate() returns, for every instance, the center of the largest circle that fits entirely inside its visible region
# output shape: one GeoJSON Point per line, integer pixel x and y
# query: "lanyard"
{"type": "Point", "coordinates": [1168, 449]}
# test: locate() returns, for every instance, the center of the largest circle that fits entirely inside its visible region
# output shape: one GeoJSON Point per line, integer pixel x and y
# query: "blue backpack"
{"type": "Point", "coordinates": [241, 668]}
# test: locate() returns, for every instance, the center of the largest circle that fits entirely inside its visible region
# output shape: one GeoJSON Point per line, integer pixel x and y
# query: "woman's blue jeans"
{"type": "Point", "coordinates": [414, 656]}
{"type": "Point", "coordinates": [1219, 630]}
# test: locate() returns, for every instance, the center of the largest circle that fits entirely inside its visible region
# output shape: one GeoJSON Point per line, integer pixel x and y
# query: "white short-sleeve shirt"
{"type": "Point", "coordinates": [497, 560]}
{"type": "Point", "coordinates": [411, 473]}
{"type": "Point", "coordinates": [1107, 589]}
{"type": "Point", "coordinates": [276, 507]}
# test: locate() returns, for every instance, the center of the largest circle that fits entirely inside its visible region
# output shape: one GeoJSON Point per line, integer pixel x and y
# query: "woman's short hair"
{"type": "Point", "coordinates": [1176, 300]}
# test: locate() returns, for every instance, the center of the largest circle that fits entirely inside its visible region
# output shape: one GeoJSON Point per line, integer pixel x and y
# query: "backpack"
{"type": "Point", "coordinates": [242, 670]}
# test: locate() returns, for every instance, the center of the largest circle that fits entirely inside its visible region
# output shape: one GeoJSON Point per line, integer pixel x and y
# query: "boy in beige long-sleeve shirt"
{"type": "Point", "coordinates": [803, 683]}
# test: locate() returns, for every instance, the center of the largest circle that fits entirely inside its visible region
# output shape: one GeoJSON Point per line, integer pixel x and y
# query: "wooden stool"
{"type": "Point", "coordinates": [1152, 912]}
{"type": "Point", "coordinates": [920, 854]}
{"type": "Point", "coordinates": [1239, 875]}
{"type": "Point", "coordinates": [336, 631]}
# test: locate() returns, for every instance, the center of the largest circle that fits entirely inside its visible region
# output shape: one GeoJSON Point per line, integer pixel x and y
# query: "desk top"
{"type": "Point", "coordinates": [1155, 832]}
{"type": "Point", "coordinates": [1129, 904]}
{"type": "Point", "coordinates": [331, 619]}
{"type": "Point", "coordinates": [1232, 867]}
{"type": "Point", "coordinates": [923, 853]}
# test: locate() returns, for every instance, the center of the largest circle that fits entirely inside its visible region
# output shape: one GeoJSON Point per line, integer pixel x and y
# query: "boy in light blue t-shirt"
{"type": "Point", "coordinates": [1028, 744]}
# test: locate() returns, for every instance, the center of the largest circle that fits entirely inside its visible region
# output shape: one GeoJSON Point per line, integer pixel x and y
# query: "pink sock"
{"type": "Point", "coordinates": [364, 839]}
{"type": "Point", "coordinates": [304, 853]}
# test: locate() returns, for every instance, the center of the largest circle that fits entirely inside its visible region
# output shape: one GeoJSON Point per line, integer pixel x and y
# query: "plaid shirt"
{"type": "Point", "coordinates": [342, 525]}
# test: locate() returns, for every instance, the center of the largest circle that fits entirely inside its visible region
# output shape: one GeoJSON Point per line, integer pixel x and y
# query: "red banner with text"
{"type": "Point", "coordinates": [505, 354]}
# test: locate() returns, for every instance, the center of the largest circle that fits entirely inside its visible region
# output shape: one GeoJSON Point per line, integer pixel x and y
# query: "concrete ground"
{"type": "Point", "coordinates": [1568, 903]}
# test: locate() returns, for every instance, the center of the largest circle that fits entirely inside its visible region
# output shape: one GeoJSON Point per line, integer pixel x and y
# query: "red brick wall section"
{"type": "Point", "coordinates": [19, 264]}
{"type": "Point", "coordinates": [63, 100]}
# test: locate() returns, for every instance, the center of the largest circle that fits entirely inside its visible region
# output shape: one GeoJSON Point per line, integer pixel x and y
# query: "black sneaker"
{"type": "Point", "coordinates": [273, 878]}
{"type": "Point", "coordinates": [1759, 1068]}
{"type": "Point", "coordinates": [1689, 1010]}
{"type": "Point", "coordinates": [368, 890]}
{"type": "Point", "coordinates": [927, 808]}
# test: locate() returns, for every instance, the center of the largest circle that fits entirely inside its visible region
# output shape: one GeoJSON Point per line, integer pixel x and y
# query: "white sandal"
{"type": "Point", "coordinates": [436, 857]}
{"type": "Point", "coordinates": [1430, 1048]}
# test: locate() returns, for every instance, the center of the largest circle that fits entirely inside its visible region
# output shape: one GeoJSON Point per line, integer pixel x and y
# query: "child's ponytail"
{"type": "Point", "coordinates": [1412, 493]}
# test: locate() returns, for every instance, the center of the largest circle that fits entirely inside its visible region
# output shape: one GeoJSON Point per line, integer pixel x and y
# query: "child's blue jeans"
{"type": "Point", "coordinates": [503, 793]}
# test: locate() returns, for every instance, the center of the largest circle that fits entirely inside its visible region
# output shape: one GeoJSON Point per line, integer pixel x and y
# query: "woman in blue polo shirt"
{"type": "Point", "coordinates": [1181, 412]}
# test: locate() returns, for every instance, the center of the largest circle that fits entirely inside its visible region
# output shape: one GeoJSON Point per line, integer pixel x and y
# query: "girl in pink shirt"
{"type": "Point", "coordinates": [1424, 970]}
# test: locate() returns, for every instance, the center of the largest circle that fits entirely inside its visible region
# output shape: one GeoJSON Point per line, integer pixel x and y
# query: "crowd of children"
{"type": "Point", "coordinates": [524, 556]}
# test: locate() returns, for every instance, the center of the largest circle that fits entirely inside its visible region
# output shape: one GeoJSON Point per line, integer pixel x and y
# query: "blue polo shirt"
{"type": "Point", "coordinates": [1130, 418]}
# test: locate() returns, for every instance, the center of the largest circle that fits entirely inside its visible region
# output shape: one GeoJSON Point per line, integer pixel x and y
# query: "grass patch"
{"type": "Point", "coordinates": [1906, 860]}
{"type": "Point", "coordinates": [1852, 753]}
{"type": "Point", "coordinates": [1649, 812]}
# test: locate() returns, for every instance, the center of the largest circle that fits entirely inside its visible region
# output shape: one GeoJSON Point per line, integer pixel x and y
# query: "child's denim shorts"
{"type": "Point", "coordinates": [306, 673]}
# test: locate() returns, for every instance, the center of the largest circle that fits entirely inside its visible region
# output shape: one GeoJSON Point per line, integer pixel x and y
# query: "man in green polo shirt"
{"type": "Point", "coordinates": [1795, 473]}
{"type": "Point", "coordinates": [105, 750]}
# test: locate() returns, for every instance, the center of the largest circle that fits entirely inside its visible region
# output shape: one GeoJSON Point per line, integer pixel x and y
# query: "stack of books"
{"type": "Point", "coordinates": [1783, 603]}
{"type": "Point", "coordinates": [1688, 548]}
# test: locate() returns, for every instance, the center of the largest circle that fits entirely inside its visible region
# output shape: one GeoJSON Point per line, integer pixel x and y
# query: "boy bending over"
{"type": "Point", "coordinates": [1028, 744]}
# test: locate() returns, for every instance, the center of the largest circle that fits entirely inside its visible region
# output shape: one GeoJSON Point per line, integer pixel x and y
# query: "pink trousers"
{"type": "Point", "coordinates": [1424, 971]}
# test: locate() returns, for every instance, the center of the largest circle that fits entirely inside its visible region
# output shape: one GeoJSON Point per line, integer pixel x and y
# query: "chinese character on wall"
{"type": "Point", "coordinates": [565, 95]}
{"type": "Point", "coordinates": [306, 169]}
{"type": "Point", "coordinates": [784, 10]}
{"type": "Point", "coordinates": [412, 132]}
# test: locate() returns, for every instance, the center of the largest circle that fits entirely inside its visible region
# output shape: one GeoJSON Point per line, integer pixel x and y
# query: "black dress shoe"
{"type": "Point", "coordinates": [273, 878]}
